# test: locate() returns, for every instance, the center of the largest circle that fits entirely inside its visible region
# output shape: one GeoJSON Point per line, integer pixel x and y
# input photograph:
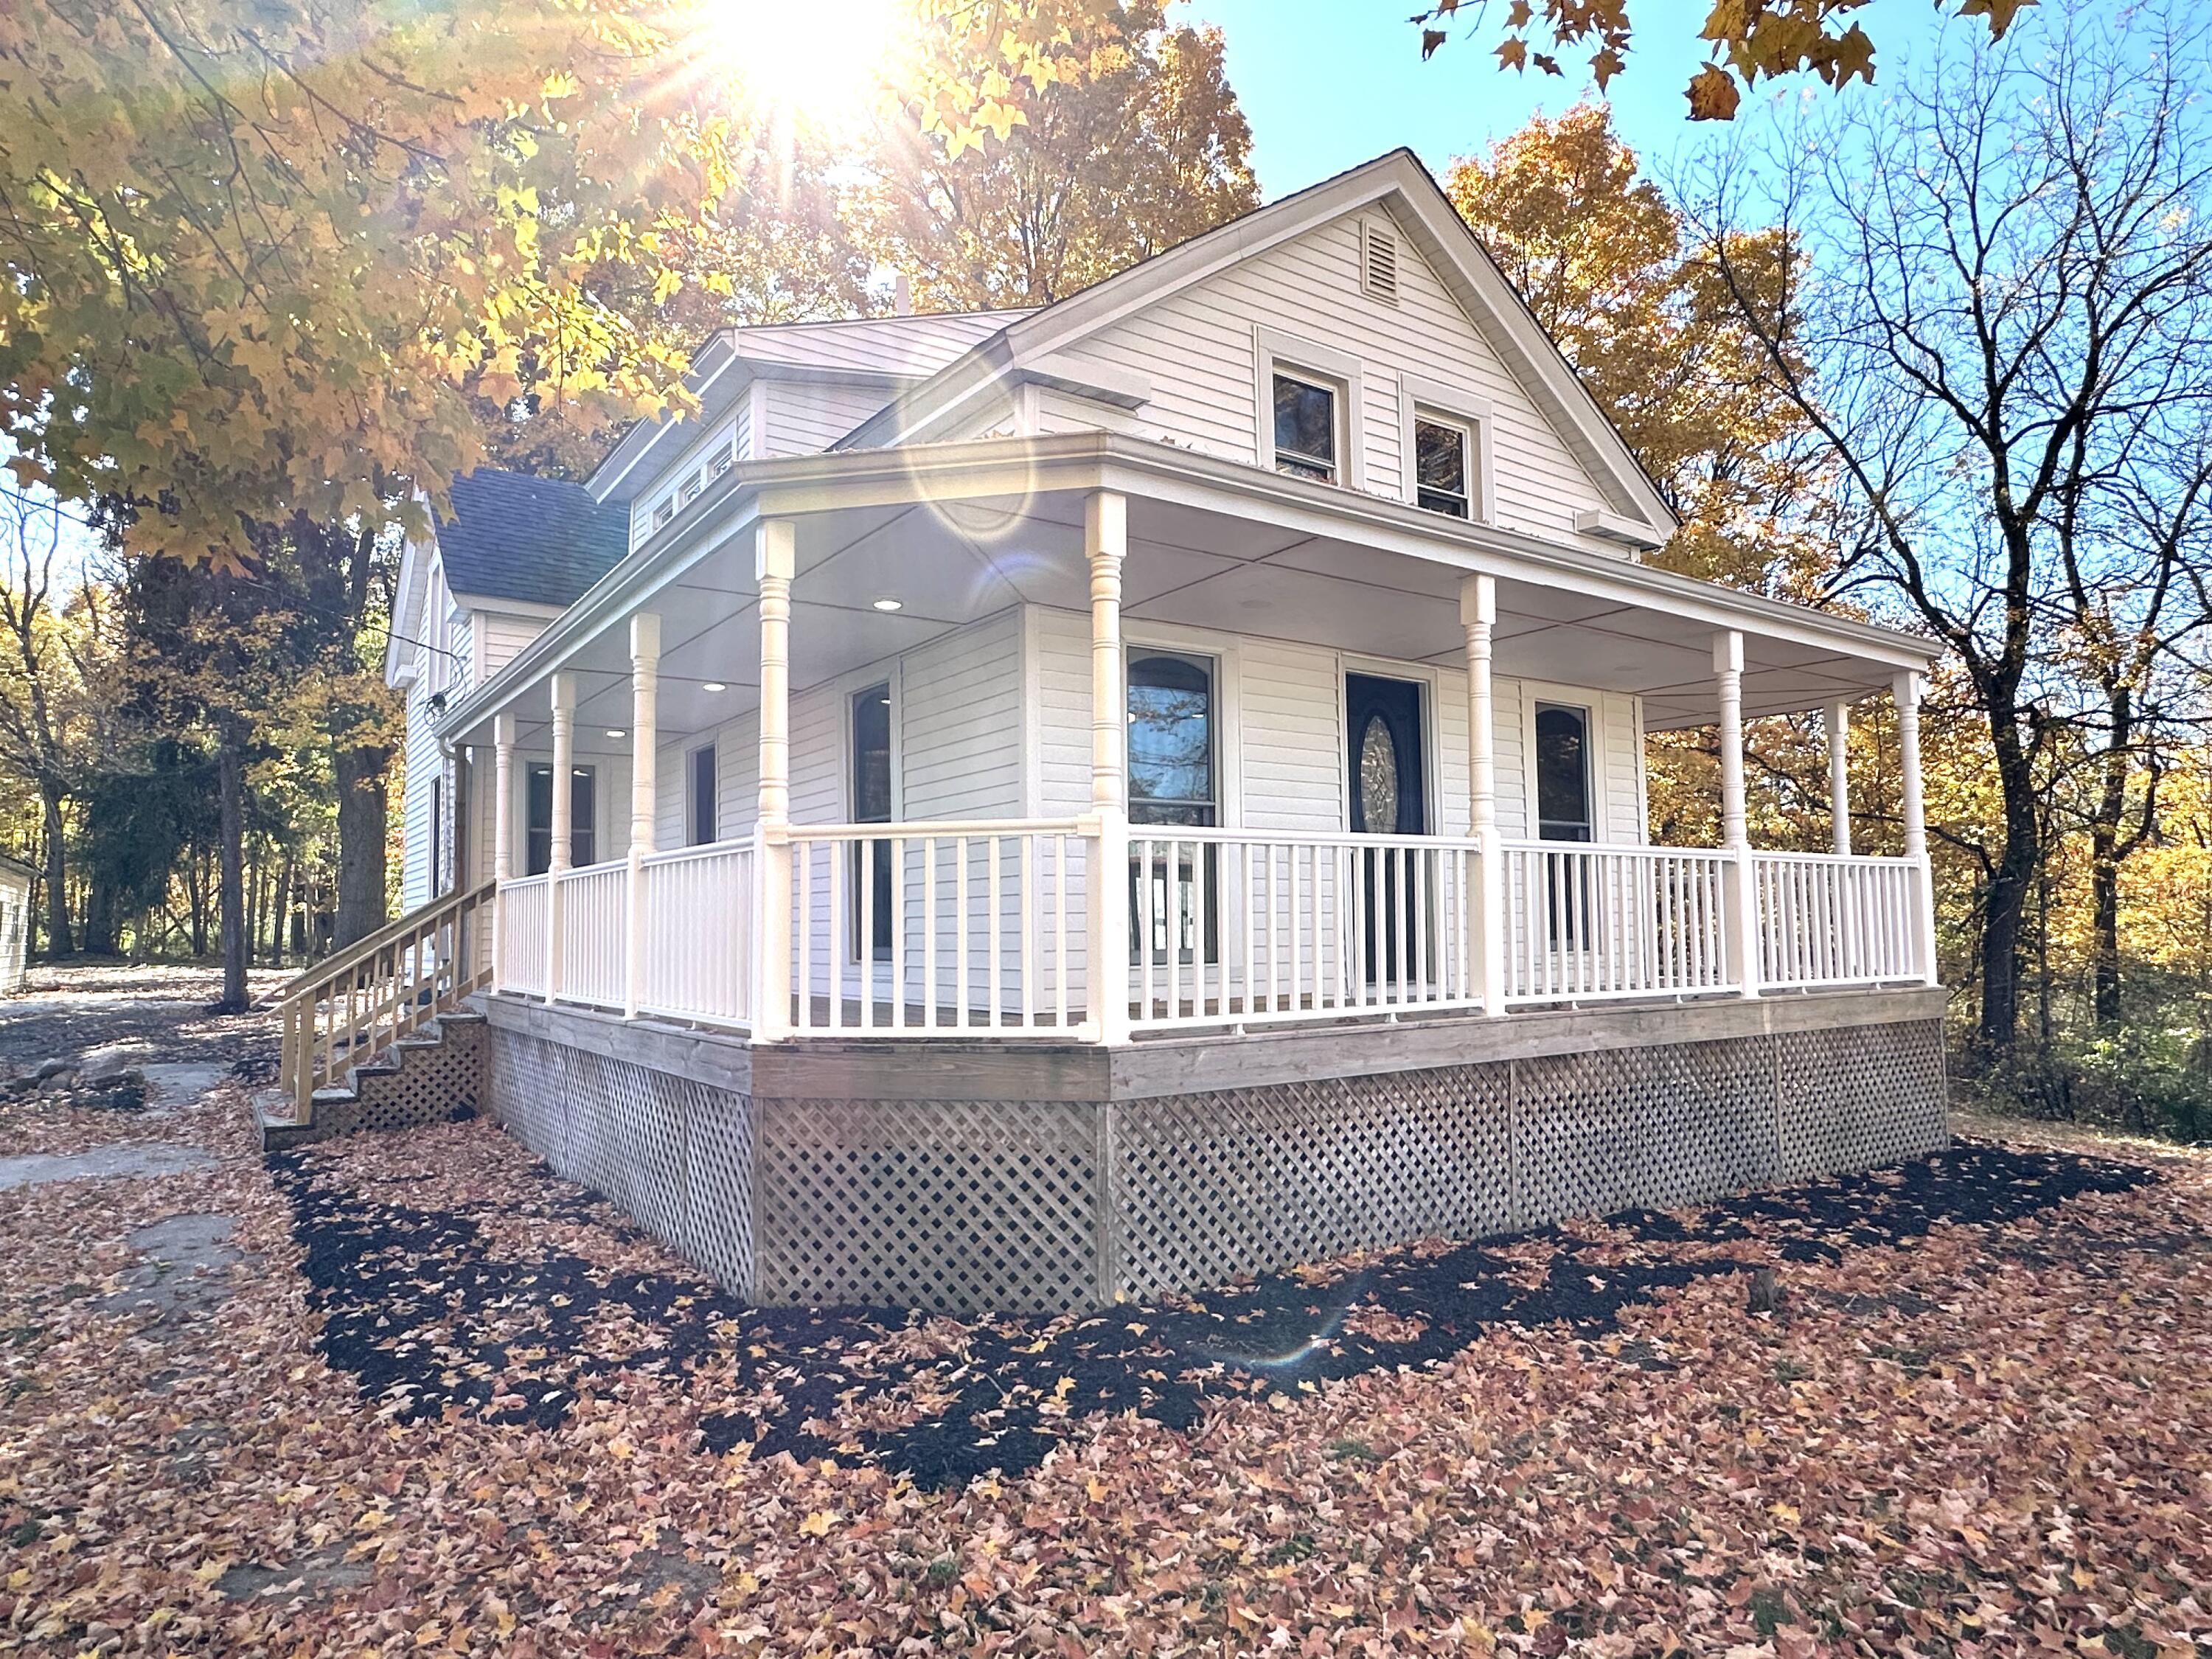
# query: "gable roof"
{"type": "Point", "coordinates": [1398, 182]}
{"type": "Point", "coordinates": [543, 541]}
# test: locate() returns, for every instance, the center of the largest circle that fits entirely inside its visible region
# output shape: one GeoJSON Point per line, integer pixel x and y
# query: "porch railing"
{"type": "Point", "coordinates": [937, 929]}
{"type": "Point", "coordinates": [1829, 919]}
{"type": "Point", "coordinates": [1585, 922]}
{"type": "Point", "coordinates": [526, 933]}
{"type": "Point", "coordinates": [594, 955]}
{"type": "Point", "coordinates": [950, 929]}
{"type": "Point", "coordinates": [1233, 927]}
{"type": "Point", "coordinates": [698, 927]}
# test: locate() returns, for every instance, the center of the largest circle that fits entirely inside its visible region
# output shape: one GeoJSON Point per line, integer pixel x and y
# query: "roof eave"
{"type": "Point", "coordinates": [795, 484]}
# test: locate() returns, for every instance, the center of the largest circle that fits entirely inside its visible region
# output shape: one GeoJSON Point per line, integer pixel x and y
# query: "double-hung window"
{"type": "Point", "coordinates": [537, 837]}
{"type": "Point", "coordinates": [871, 711]}
{"type": "Point", "coordinates": [1305, 427]}
{"type": "Point", "coordinates": [1443, 452]}
{"type": "Point", "coordinates": [703, 796]}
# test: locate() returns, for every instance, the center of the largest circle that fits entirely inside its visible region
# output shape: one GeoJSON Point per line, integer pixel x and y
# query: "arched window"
{"type": "Point", "coordinates": [1173, 770]}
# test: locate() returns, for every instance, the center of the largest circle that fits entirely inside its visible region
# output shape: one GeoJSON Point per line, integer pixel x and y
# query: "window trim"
{"type": "Point", "coordinates": [1446, 406]}
{"type": "Point", "coordinates": [1276, 353]}
{"type": "Point", "coordinates": [1595, 704]}
{"type": "Point", "coordinates": [1211, 663]}
{"type": "Point", "coordinates": [1143, 638]}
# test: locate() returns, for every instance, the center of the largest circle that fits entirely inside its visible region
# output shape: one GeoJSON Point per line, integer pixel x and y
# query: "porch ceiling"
{"type": "Point", "coordinates": [949, 564]}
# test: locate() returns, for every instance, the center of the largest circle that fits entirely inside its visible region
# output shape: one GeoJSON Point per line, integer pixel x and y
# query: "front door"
{"type": "Point", "coordinates": [1389, 797]}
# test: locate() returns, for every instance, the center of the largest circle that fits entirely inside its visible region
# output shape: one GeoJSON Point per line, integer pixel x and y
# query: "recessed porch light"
{"type": "Point", "coordinates": [713, 685]}
{"type": "Point", "coordinates": [889, 603]}
{"type": "Point", "coordinates": [617, 732]}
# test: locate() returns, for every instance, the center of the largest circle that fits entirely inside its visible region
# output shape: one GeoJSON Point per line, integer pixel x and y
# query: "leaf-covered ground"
{"type": "Point", "coordinates": [411, 1394]}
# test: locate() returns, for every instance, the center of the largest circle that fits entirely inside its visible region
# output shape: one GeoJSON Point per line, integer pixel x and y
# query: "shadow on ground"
{"type": "Point", "coordinates": [418, 1307]}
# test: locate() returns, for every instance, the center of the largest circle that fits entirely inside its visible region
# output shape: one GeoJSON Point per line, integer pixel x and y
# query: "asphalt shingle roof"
{"type": "Point", "coordinates": [541, 540]}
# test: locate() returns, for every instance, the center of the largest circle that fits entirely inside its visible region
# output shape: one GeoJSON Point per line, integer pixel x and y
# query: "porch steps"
{"type": "Point", "coordinates": [432, 1075]}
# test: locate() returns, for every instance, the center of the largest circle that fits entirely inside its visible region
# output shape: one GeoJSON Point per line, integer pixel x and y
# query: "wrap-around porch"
{"type": "Point", "coordinates": [902, 929]}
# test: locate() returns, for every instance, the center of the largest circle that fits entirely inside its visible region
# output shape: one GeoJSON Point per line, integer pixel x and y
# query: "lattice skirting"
{"type": "Point", "coordinates": [976, 1206]}
{"type": "Point", "coordinates": [675, 1155]}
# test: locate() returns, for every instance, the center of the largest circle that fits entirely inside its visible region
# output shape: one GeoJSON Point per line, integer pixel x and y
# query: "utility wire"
{"type": "Point", "coordinates": [301, 601]}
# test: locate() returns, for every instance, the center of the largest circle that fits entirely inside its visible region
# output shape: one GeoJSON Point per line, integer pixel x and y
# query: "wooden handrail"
{"type": "Point", "coordinates": [343, 961]}
{"type": "Point", "coordinates": [349, 1009]}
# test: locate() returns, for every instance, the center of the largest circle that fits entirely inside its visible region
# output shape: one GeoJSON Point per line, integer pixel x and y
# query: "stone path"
{"type": "Point", "coordinates": [102, 1163]}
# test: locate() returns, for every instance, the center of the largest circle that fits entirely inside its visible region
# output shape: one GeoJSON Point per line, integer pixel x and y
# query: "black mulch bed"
{"type": "Point", "coordinates": [416, 1307]}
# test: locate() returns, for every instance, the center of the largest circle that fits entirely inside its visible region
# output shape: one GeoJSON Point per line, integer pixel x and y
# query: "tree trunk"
{"type": "Point", "coordinates": [282, 908]}
{"type": "Point", "coordinates": [230, 802]}
{"type": "Point", "coordinates": [195, 906]}
{"type": "Point", "coordinates": [58, 915]}
{"type": "Point", "coordinates": [99, 920]}
{"type": "Point", "coordinates": [2011, 886]}
{"type": "Point", "coordinates": [360, 774]}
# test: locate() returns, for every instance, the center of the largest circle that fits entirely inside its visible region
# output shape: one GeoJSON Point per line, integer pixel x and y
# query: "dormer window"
{"type": "Point", "coordinates": [1305, 427]}
{"type": "Point", "coordinates": [692, 488]}
{"type": "Point", "coordinates": [1442, 450]}
{"type": "Point", "coordinates": [725, 459]}
{"type": "Point", "coordinates": [664, 512]}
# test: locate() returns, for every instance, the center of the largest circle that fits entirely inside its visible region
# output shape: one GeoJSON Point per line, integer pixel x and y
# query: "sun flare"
{"type": "Point", "coordinates": [827, 63]}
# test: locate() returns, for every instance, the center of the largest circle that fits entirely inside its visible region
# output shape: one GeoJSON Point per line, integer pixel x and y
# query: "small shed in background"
{"type": "Point", "coordinates": [15, 879]}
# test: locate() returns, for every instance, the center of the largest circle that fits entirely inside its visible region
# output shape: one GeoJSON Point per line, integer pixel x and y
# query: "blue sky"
{"type": "Point", "coordinates": [1328, 83]}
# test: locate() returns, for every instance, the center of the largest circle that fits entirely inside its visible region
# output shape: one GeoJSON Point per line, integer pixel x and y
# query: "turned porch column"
{"type": "Point", "coordinates": [502, 834]}
{"type": "Point", "coordinates": [557, 855]}
{"type": "Point", "coordinates": [774, 558]}
{"type": "Point", "coordinates": [1906, 691]}
{"type": "Point", "coordinates": [1477, 615]}
{"type": "Point", "coordinates": [1835, 725]}
{"type": "Point", "coordinates": [1105, 545]}
{"type": "Point", "coordinates": [1742, 898]}
{"type": "Point", "coordinates": [644, 714]}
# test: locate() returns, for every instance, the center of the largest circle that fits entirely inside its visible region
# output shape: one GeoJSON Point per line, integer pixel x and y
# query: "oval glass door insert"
{"type": "Point", "coordinates": [1378, 778]}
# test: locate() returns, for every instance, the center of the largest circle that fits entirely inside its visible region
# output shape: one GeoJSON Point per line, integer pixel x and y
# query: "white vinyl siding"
{"type": "Point", "coordinates": [1287, 768]}
{"type": "Point", "coordinates": [498, 639]}
{"type": "Point", "coordinates": [956, 740]}
{"type": "Point", "coordinates": [803, 417]}
{"type": "Point", "coordinates": [1197, 348]}
{"type": "Point", "coordinates": [959, 746]}
{"type": "Point", "coordinates": [422, 765]}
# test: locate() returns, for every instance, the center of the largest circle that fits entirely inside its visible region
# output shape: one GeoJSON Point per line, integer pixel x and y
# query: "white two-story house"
{"type": "Point", "coordinates": [1085, 802]}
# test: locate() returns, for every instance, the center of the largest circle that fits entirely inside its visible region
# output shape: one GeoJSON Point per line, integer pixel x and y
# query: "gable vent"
{"type": "Point", "coordinates": [1378, 262]}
